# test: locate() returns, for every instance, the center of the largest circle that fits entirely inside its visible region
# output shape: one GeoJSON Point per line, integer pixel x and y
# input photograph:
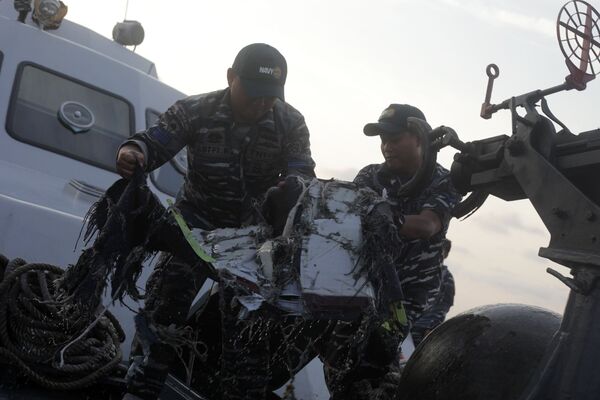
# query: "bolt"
{"type": "Point", "coordinates": [590, 216]}
{"type": "Point", "coordinates": [559, 212]}
{"type": "Point", "coordinates": [594, 238]}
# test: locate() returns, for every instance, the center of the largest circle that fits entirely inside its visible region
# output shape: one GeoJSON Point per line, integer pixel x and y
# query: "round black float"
{"type": "Point", "coordinates": [487, 353]}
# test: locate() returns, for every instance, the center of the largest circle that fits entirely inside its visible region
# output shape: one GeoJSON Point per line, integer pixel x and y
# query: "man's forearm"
{"type": "Point", "coordinates": [421, 226]}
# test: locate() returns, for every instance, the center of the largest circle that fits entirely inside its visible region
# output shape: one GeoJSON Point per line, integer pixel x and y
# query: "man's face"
{"type": "Point", "coordinates": [246, 109]}
{"type": "Point", "coordinates": [402, 152]}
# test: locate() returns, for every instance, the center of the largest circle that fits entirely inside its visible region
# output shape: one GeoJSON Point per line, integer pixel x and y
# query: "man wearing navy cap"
{"type": "Point", "coordinates": [421, 220]}
{"type": "Point", "coordinates": [240, 141]}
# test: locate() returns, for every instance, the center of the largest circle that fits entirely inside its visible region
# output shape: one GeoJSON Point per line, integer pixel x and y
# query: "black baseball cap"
{"type": "Point", "coordinates": [394, 119]}
{"type": "Point", "coordinates": [262, 70]}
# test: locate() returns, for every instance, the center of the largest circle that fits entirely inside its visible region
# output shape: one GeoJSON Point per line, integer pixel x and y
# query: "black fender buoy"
{"type": "Point", "coordinates": [487, 353]}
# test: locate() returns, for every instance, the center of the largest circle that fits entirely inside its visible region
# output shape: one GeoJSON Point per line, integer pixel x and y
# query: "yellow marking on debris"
{"type": "Point", "coordinates": [187, 233]}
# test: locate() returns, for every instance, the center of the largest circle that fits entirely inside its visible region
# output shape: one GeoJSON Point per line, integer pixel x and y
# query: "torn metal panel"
{"type": "Point", "coordinates": [330, 288]}
{"type": "Point", "coordinates": [235, 251]}
{"type": "Point", "coordinates": [318, 259]}
{"type": "Point", "coordinates": [340, 197]}
{"type": "Point", "coordinates": [329, 257]}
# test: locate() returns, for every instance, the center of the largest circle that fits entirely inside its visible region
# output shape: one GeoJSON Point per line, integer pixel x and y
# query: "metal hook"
{"type": "Point", "coordinates": [567, 281]}
{"type": "Point", "coordinates": [492, 72]}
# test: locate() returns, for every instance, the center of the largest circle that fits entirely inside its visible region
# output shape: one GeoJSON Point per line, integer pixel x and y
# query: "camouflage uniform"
{"type": "Point", "coordinates": [230, 167]}
{"type": "Point", "coordinates": [421, 269]}
{"type": "Point", "coordinates": [436, 314]}
{"type": "Point", "coordinates": [419, 272]}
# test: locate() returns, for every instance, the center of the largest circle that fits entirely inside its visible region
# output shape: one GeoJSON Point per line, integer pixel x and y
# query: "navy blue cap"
{"type": "Point", "coordinates": [394, 119]}
{"type": "Point", "coordinates": [262, 70]}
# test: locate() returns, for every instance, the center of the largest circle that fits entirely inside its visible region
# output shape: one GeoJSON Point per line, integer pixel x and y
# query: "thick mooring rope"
{"type": "Point", "coordinates": [37, 322]}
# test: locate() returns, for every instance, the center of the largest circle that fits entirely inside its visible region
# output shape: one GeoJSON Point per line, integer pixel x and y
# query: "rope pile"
{"type": "Point", "coordinates": [53, 326]}
{"type": "Point", "coordinates": [38, 325]}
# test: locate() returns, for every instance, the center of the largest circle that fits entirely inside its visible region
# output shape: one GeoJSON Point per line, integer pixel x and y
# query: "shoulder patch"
{"type": "Point", "coordinates": [161, 136]}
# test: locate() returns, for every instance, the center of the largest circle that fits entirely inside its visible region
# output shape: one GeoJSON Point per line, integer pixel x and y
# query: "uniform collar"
{"type": "Point", "coordinates": [224, 113]}
{"type": "Point", "coordinates": [223, 110]}
{"type": "Point", "coordinates": [388, 178]}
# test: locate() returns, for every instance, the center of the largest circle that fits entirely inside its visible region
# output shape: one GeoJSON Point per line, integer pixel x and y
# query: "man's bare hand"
{"type": "Point", "coordinates": [128, 158]}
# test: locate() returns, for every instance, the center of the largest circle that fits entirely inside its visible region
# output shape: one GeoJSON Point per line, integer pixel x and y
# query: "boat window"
{"type": "Point", "coordinates": [1, 58]}
{"type": "Point", "coordinates": [68, 117]}
{"type": "Point", "coordinates": [166, 178]}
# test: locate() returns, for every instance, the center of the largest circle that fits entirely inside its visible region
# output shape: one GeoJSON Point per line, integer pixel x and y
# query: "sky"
{"type": "Point", "coordinates": [348, 60]}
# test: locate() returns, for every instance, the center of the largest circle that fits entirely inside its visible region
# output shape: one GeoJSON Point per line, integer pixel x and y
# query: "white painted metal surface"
{"type": "Point", "coordinates": [45, 195]}
{"type": "Point", "coordinates": [40, 210]}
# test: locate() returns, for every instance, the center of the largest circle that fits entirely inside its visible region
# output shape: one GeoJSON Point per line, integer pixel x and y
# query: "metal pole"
{"type": "Point", "coordinates": [570, 367]}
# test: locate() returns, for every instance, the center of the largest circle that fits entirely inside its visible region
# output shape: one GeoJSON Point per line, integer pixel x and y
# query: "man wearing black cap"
{"type": "Point", "coordinates": [240, 141]}
{"type": "Point", "coordinates": [421, 221]}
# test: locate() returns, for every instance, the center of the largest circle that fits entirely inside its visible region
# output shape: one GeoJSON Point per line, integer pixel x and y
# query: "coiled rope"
{"type": "Point", "coordinates": [38, 324]}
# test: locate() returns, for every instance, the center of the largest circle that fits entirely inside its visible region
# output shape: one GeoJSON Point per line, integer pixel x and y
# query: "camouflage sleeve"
{"type": "Point", "coordinates": [436, 314]}
{"type": "Point", "coordinates": [442, 198]}
{"type": "Point", "coordinates": [364, 178]}
{"type": "Point", "coordinates": [447, 291]}
{"type": "Point", "coordinates": [165, 139]}
{"type": "Point", "coordinates": [297, 154]}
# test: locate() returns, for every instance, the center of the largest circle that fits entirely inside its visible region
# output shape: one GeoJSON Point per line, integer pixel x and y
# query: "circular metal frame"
{"type": "Point", "coordinates": [578, 33]}
{"type": "Point", "coordinates": [492, 71]}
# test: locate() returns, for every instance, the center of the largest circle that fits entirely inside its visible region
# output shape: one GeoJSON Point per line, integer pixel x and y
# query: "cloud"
{"type": "Point", "coordinates": [489, 13]}
{"type": "Point", "coordinates": [542, 290]}
{"type": "Point", "coordinates": [533, 255]}
{"type": "Point", "coordinates": [346, 174]}
{"type": "Point", "coordinates": [525, 22]}
{"type": "Point", "coordinates": [507, 223]}
{"type": "Point", "coordinates": [463, 250]}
